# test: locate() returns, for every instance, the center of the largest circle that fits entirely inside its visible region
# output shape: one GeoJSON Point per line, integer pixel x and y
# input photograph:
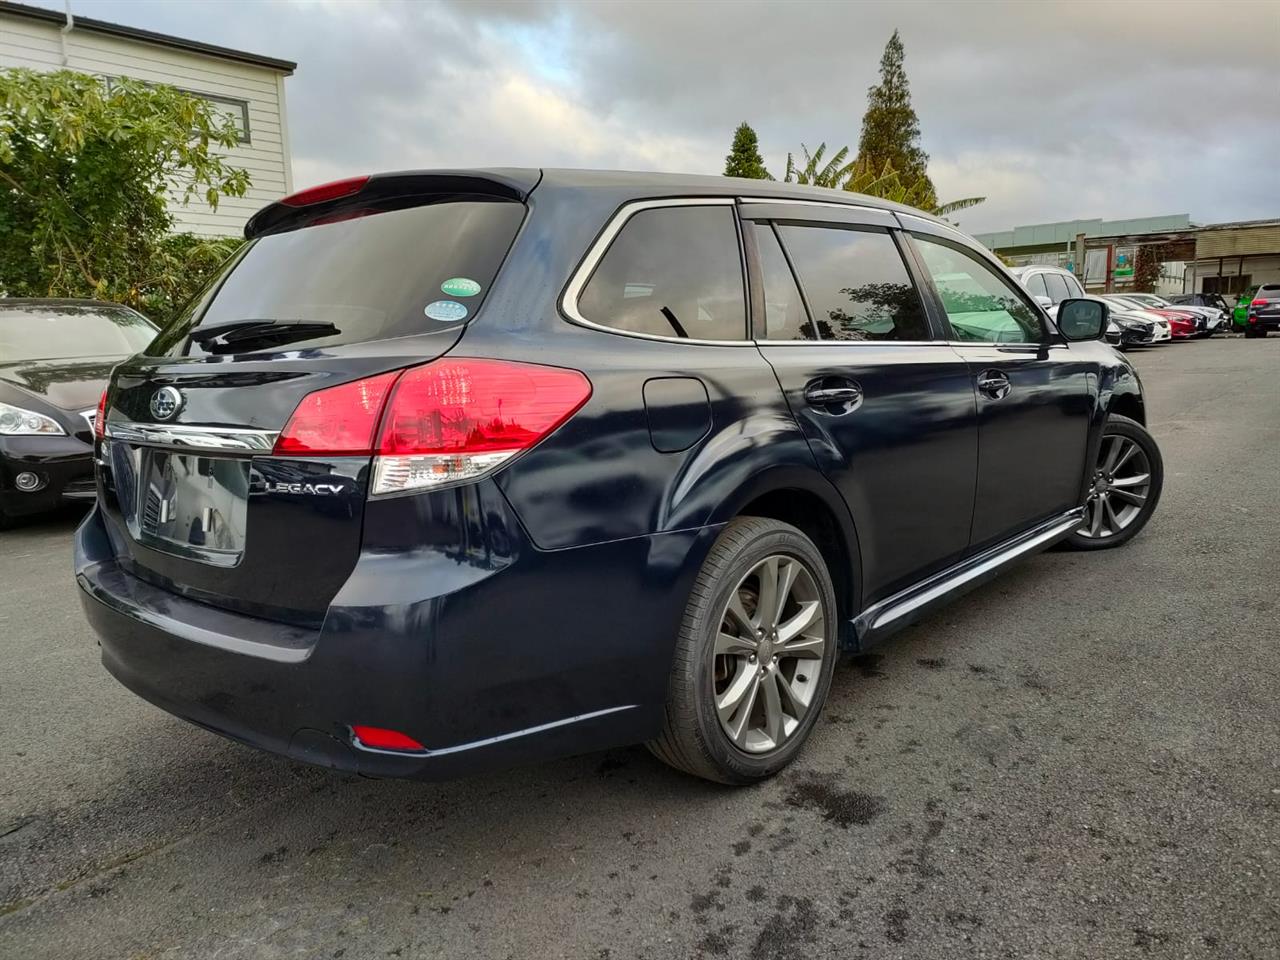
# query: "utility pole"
{"type": "Point", "coordinates": [1080, 275]}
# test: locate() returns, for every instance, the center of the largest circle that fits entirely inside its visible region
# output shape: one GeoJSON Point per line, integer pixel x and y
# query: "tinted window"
{"type": "Point", "coordinates": [785, 317]}
{"type": "Point", "coordinates": [671, 272]}
{"type": "Point", "coordinates": [1035, 285]}
{"type": "Point", "coordinates": [857, 285]}
{"type": "Point", "coordinates": [1057, 286]}
{"type": "Point", "coordinates": [980, 305]}
{"type": "Point", "coordinates": [67, 332]}
{"type": "Point", "coordinates": [1073, 287]}
{"type": "Point", "coordinates": [369, 276]}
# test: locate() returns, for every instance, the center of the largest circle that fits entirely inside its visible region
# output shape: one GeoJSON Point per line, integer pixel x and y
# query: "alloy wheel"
{"type": "Point", "coordinates": [1119, 489]}
{"type": "Point", "coordinates": [769, 654]}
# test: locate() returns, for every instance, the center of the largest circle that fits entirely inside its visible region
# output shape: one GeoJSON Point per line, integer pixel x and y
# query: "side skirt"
{"type": "Point", "coordinates": [905, 607]}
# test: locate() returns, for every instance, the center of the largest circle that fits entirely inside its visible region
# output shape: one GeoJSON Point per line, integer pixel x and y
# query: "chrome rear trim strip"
{"type": "Point", "coordinates": [184, 437]}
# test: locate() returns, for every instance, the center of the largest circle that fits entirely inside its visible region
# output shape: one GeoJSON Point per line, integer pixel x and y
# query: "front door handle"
{"type": "Point", "coordinates": [833, 393]}
{"type": "Point", "coordinates": [994, 384]}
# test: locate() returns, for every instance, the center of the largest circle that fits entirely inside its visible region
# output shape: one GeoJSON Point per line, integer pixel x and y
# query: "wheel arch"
{"type": "Point", "coordinates": [810, 503]}
{"type": "Point", "coordinates": [1128, 404]}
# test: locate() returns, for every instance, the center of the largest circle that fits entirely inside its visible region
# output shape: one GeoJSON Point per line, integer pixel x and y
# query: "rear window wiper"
{"type": "Point", "coordinates": [255, 334]}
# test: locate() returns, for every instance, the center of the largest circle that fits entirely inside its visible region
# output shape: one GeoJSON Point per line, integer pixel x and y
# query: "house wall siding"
{"type": "Point", "coordinates": [36, 45]}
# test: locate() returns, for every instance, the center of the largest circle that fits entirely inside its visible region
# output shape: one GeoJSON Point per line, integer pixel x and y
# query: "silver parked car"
{"type": "Point", "coordinates": [1049, 285]}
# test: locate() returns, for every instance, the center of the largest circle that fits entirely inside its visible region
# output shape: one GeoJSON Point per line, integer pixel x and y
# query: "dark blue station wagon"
{"type": "Point", "coordinates": [455, 469]}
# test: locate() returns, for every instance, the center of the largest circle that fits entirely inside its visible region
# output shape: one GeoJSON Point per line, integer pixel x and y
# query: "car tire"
{"type": "Point", "coordinates": [1110, 500]}
{"type": "Point", "coordinates": [694, 737]}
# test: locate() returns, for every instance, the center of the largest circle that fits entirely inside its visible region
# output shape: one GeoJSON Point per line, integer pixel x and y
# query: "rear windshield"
{"type": "Point", "coordinates": [69, 332]}
{"type": "Point", "coordinates": [385, 274]}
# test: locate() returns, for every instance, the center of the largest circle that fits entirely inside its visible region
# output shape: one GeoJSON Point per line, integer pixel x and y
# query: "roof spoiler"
{"type": "Point", "coordinates": [343, 198]}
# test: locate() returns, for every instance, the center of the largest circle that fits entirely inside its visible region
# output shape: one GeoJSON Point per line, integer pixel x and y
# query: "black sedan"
{"type": "Point", "coordinates": [55, 358]}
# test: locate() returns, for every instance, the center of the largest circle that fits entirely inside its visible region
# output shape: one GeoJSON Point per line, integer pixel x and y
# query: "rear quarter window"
{"type": "Point", "coordinates": [671, 272]}
{"type": "Point", "coordinates": [372, 276]}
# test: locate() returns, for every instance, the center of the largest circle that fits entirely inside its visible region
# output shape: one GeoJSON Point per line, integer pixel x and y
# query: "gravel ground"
{"type": "Point", "coordinates": [1081, 759]}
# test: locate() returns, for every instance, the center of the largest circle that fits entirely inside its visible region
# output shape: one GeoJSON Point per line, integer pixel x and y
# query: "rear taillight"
{"type": "Point", "coordinates": [339, 421]}
{"type": "Point", "coordinates": [457, 419]}
{"type": "Point", "coordinates": [325, 191]}
{"type": "Point", "coordinates": [100, 418]}
{"type": "Point", "coordinates": [1259, 303]}
{"type": "Point", "coordinates": [443, 422]}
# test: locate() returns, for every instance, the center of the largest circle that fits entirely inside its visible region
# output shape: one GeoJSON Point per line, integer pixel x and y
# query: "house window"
{"type": "Point", "coordinates": [237, 111]}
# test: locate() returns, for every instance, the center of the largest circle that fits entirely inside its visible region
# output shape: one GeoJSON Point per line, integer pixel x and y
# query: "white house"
{"type": "Point", "coordinates": [248, 87]}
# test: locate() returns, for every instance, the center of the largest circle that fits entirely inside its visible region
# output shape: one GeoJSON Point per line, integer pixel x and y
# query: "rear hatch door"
{"type": "Point", "coordinates": [197, 496]}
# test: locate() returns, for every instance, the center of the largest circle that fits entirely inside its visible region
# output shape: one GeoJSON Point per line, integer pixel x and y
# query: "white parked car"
{"type": "Point", "coordinates": [1125, 308]}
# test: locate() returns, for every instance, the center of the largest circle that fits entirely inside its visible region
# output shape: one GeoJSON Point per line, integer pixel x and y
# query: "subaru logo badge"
{"type": "Point", "coordinates": [165, 402]}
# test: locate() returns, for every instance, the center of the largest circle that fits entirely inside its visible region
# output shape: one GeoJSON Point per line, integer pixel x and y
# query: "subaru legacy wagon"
{"type": "Point", "coordinates": [456, 469]}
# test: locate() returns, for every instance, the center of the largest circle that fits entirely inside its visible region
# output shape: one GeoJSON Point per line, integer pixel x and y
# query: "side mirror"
{"type": "Point", "coordinates": [1044, 301]}
{"type": "Point", "coordinates": [1082, 319]}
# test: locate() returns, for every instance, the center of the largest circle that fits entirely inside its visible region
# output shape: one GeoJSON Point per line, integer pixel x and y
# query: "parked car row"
{"type": "Point", "coordinates": [1143, 319]}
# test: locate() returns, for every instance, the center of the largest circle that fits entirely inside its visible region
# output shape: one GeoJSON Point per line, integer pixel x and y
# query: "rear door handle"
{"type": "Point", "coordinates": [994, 384]}
{"type": "Point", "coordinates": [830, 392]}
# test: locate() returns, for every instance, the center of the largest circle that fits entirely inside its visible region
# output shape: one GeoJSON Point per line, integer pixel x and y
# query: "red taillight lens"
{"type": "Point", "coordinates": [456, 419]}
{"type": "Point", "coordinates": [1259, 303]}
{"type": "Point", "coordinates": [325, 191]}
{"type": "Point", "coordinates": [339, 421]}
{"type": "Point", "coordinates": [100, 418]}
{"type": "Point", "coordinates": [380, 739]}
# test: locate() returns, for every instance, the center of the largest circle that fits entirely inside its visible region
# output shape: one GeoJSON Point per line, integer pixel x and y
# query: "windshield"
{"type": "Point", "coordinates": [367, 275]}
{"type": "Point", "coordinates": [70, 331]}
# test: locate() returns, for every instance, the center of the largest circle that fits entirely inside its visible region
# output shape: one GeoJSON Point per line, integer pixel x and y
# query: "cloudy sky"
{"type": "Point", "coordinates": [1053, 111]}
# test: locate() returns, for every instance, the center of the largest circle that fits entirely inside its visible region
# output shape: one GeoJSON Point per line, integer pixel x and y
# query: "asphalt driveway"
{"type": "Point", "coordinates": [1082, 759]}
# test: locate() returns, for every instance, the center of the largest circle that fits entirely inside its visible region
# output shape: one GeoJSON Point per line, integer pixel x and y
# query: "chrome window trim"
{"type": "Point", "coordinates": [855, 207]}
{"type": "Point", "coordinates": [184, 437]}
{"type": "Point", "coordinates": [595, 253]}
{"type": "Point", "coordinates": [850, 343]}
{"type": "Point", "coordinates": [969, 241]}
{"type": "Point", "coordinates": [1030, 344]}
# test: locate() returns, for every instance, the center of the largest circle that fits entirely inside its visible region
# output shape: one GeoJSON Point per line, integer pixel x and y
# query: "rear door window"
{"type": "Point", "coordinates": [856, 283]}
{"type": "Point", "coordinates": [981, 306]}
{"type": "Point", "coordinates": [671, 272]}
{"type": "Point", "coordinates": [785, 315]}
{"type": "Point", "coordinates": [371, 276]}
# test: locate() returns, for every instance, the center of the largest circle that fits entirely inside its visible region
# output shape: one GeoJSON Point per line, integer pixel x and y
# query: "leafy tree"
{"type": "Point", "coordinates": [86, 169]}
{"type": "Point", "coordinates": [857, 176]}
{"type": "Point", "coordinates": [890, 128]}
{"type": "Point", "coordinates": [1146, 267]}
{"type": "Point", "coordinates": [744, 158]}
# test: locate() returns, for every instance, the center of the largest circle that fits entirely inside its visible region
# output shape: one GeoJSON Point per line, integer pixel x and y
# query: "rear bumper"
{"type": "Point", "coordinates": [558, 653]}
{"type": "Point", "coordinates": [1264, 323]}
{"type": "Point", "coordinates": [63, 466]}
